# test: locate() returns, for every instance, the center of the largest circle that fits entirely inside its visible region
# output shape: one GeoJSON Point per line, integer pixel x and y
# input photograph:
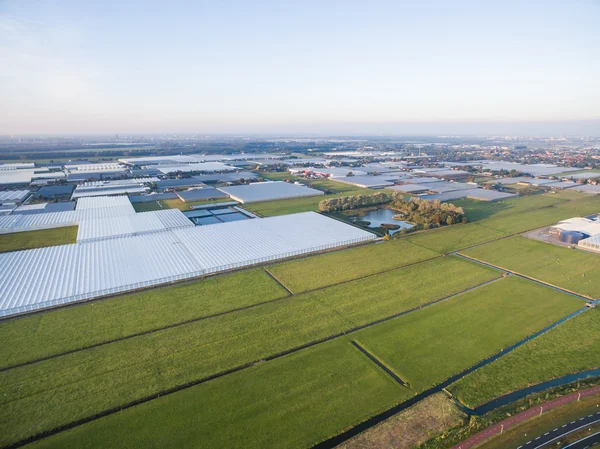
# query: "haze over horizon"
{"type": "Point", "coordinates": [398, 68]}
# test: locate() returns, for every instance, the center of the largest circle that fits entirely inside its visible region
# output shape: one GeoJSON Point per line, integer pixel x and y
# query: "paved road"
{"type": "Point", "coordinates": [550, 438]}
{"type": "Point", "coordinates": [586, 442]}
{"type": "Point", "coordinates": [506, 424]}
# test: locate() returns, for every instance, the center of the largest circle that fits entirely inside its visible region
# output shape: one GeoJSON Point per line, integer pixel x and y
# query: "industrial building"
{"type": "Point", "coordinates": [46, 277]}
{"type": "Point", "coordinates": [13, 195]}
{"type": "Point", "coordinates": [117, 187]}
{"type": "Point", "coordinates": [206, 193]}
{"type": "Point", "coordinates": [268, 191]}
{"type": "Point", "coordinates": [87, 208]}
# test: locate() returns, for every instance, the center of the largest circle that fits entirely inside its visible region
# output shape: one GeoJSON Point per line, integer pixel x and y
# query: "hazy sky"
{"type": "Point", "coordinates": [399, 67]}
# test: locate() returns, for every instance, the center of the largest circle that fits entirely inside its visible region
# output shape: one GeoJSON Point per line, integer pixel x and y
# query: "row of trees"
{"type": "Point", "coordinates": [352, 202]}
{"type": "Point", "coordinates": [425, 213]}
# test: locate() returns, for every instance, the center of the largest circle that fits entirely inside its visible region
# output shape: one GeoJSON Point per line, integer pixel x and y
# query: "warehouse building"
{"type": "Point", "coordinates": [268, 191]}
{"type": "Point", "coordinates": [87, 208]}
{"type": "Point", "coordinates": [46, 277]}
{"type": "Point", "coordinates": [206, 193]}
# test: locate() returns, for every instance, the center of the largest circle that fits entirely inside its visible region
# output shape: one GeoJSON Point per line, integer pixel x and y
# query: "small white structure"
{"type": "Point", "coordinates": [268, 191]}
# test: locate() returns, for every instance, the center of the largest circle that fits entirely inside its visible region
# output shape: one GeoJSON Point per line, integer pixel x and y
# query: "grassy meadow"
{"type": "Point", "coordinates": [571, 347]}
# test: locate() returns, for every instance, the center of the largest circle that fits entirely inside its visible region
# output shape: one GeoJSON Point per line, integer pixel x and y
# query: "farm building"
{"type": "Point", "coordinates": [118, 187]}
{"type": "Point", "coordinates": [57, 191]}
{"type": "Point", "coordinates": [13, 195]}
{"type": "Point", "coordinates": [582, 225]}
{"type": "Point", "coordinates": [44, 208]}
{"type": "Point", "coordinates": [67, 273]}
{"type": "Point", "coordinates": [206, 193]}
{"type": "Point", "coordinates": [87, 208]}
{"type": "Point", "coordinates": [267, 191]}
{"type": "Point", "coordinates": [591, 243]}
{"type": "Point", "coordinates": [206, 167]}
{"type": "Point", "coordinates": [132, 224]}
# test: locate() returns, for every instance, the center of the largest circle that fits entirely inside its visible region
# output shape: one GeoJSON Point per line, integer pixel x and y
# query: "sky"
{"type": "Point", "coordinates": [357, 67]}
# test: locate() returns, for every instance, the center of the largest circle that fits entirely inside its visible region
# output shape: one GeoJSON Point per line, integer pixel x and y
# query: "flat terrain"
{"type": "Point", "coordinates": [120, 372]}
{"type": "Point", "coordinates": [571, 347]}
{"type": "Point", "coordinates": [56, 331]}
{"type": "Point", "coordinates": [296, 378]}
{"type": "Point", "coordinates": [571, 269]}
{"type": "Point", "coordinates": [298, 400]}
{"type": "Point", "coordinates": [341, 266]}
{"type": "Point", "coordinates": [408, 429]}
{"type": "Point", "coordinates": [464, 329]}
{"type": "Point", "coordinates": [294, 401]}
{"type": "Point", "coordinates": [37, 239]}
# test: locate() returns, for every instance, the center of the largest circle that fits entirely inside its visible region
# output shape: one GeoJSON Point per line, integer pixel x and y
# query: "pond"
{"type": "Point", "coordinates": [381, 216]}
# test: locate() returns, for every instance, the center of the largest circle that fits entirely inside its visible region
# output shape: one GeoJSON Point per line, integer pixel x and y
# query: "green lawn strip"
{"type": "Point", "coordinates": [430, 345]}
{"type": "Point", "coordinates": [328, 269]}
{"type": "Point", "coordinates": [47, 394]}
{"type": "Point", "coordinates": [571, 347]}
{"type": "Point", "coordinates": [17, 241]}
{"type": "Point", "coordinates": [147, 206]}
{"type": "Point", "coordinates": [296, 205]}
{"type": "Point", "coordinates": [585, 206]}
{"type": "Point", "coordinates": [568, 194]}
{"type": "Point", "coordinates": [56, 331]}
{"type": "Point", "coordinates": [480, 210]}
{"type": "Point", "coordinates": [571, 269]}
{"type": "Point", "coordinates": [452, 238]}
{"type": "Point", "coordinates": [292, 402]}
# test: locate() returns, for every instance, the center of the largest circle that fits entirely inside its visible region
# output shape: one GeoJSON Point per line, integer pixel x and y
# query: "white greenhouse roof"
{"type": "Point", "coordinates": [134, 224]}
{"type": "Point", "coordinates": [199, 167]}
{"type": "Point", "coordinates": [86, 209]}
{"type": "Point", "coordinates": [13, 195]}
{"type": "Point", "coordinates": [45, 277]}
{"type": "Point", "coordinates": [364, 181]}
{"type": "Point", "coordinates": [267, 191]}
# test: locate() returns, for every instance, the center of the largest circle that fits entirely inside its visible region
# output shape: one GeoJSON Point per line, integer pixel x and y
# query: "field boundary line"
{"type": "Point", "coordinates": [379, 363]}
{"type": "Point", "coordinates": [279, 282]}
{"type": "Point", "coordinates": [334, 441]}
{"type": "Point", "coordinates": [530, 278]}
{"type": "Point", "coordinates": [239, 368]}
{"type": "Point", "coordinates": [194, 320]}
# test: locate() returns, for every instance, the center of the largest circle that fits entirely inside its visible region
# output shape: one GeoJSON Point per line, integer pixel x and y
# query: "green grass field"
{"type": "Point", "coordinates": [50, 393]}
{"type": "Point", "coordinates": [452, 238]}
{"type": "Point", "coordinates": [295, 401]}
{"type": "Point", "coordinates": [38, 239]}
{"type": "Point", "coordinates": [572, 347]}
{"type": "Point", "coordinates": [301, 399]}
{"type": "Point", "coordinates": [465, 329]}
{"type": "Point", "coordinates": [572, 269]}
{"type": "Point", "coordinates": [479, 210]}
{"type": "Point", "coordinates": [308, 274]}
{"type": "Point", "coordinates": [148, 206]}
{"type": "Point", "coordinates": [56, 331]}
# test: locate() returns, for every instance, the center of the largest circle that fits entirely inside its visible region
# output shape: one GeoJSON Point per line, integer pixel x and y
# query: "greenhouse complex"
{"type": "Point", "coordinates": [46, 277]}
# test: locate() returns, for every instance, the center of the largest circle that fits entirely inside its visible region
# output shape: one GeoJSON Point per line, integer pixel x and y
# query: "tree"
{"type": "Point", "coordinates": [449, 221]}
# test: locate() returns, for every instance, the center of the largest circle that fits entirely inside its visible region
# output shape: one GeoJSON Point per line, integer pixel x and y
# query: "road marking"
{"type": "Point", "coordinates": [566, 433]}
{"type": "Point", "coordinates": [565, 425]}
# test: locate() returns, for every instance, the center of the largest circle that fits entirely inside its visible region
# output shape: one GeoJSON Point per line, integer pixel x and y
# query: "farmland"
{"type": "Point", "coordinates": [465, 329]}
{"type": "Point", "coordinates": [341, 266]}
{"type": "Point", "coordinates": [328, 377]}
{"type": "Point", "coordinates": [38, 239]}
{"type": "Point", "coordinates": [57, 331]}
{"type": "Point", "coordinates": [285, 371]}
{"type": "Point", "coordinates": [569, 348]}
{"type": "Point", "coordinates": [129, 369]}
{"type": "Point", "coordinates": [294, 401]}
{"type": "Point", "coordinates": [568, 268]}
